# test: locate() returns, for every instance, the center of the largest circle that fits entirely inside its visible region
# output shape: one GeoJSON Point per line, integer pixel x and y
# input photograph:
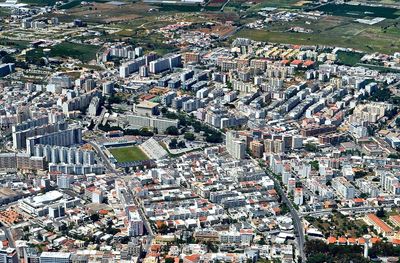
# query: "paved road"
{"type": "Point", "coordinates": [106, 161]}
{"type": "Point", "coordinates": [130, 194]}
{"type": "Point", "coordinates": [361, 209]}
{"type": "Point", "coordinates": [223, 6]}
{"type": "Point", "coordinates": [100, 118]}
{"type": "Point", "coordinates": [9, 236]}
{"type": "Point", "coordinates": [298, 226]}
{"type": "Point", "coordinates": [295, 217]}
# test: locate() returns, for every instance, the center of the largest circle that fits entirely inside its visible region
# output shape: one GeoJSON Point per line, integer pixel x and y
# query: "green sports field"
{"type": "Point", "coordinates": [128, 154]}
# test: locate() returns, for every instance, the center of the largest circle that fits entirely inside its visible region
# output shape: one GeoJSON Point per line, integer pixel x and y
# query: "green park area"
{"type": "Point", "coordinates": [128, 154]}
{"type": "Point", "coordinates": [82, 52]}
{"type": "Point", "coordinates": [349, 58]}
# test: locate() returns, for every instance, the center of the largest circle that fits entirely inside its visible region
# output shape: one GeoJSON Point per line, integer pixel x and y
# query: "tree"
{"type": "Point", "coordinates": [310, 147]}
{"type": "Point", "coordinates": [261, 241]}
{"type": "Point", "coordinates": [314, 165]}
{"type": "Point", "coordinates": [385, 249]}
{"type": "Point", "coordinates": [371, 130]}
{"type": "Point", "coordinates": [173, 143]}
{"type": "Point", "coordinates": [380, 213]}
{"type": "Point", "coordinates": [172, 130]}
{"type": "Point", "coordinates": [189, 136]}
{"type": "Point", "coordinates": [315, 246]}
{"type": "Point", "coordinates": [164, 110]}
{"type": "Point", "coordinates": [229, 85]}
{"type": "Point", "coordinates": [163, 229]}
{"type": "Point", "coordinates": [214, 137]}
{"type": "Point", "coordinates": [8, 59]}
{"type": "Point", "coordinates": [181, 144]}
{"type": "Point", "coordinates": [145, 132]}
{"type": "Point", "coordinates": [94, 217]}
{"type": "Point", "coordinates": [394, 155]}
{"type": "Point", "coordinates": [319, 257]}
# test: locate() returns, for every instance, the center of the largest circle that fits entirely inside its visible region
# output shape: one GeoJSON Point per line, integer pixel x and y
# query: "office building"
{"type": "Point", "coordinates": [55, 257]}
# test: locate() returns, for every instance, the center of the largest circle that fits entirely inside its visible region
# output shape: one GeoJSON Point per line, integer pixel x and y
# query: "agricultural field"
{"type": "Point", "coordinates": [163, 7]}
{"type": "Point", "coordinates": [128, 154]}
{"type": "Point", "coordinates": [75, 3]}
{"type": "Point", "coordinates": [20, 44]}
{"type": "Point", "coordinates": [100, 11]}
{"type": "Point", "coordinates": [359, 11]}
{"type": "Point", "coordinates": [285, 4]}
{"type": "Point", "coordinates": [39, 2]}
{"type": "Point", "coordinates": [215, 5]}
{"type": "Point", "coordinates": [66, 3]}
{"type": "Point", "coordinates": [4, 12]}
{"type": "Point", "coordinates": [333, 31]}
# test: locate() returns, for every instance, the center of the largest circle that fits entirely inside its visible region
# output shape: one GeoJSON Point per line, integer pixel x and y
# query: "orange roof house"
{"type": "Point", "coordinates": [331, 240]}
{"type": "Point", "coordinates": [378, 224]}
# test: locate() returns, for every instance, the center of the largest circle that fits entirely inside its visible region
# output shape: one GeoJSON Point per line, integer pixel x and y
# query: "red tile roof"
{"type": "Point", "coordinates": [331, 240]}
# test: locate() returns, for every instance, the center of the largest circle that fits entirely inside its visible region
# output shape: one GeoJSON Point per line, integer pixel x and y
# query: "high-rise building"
{"type": "Point", "coordinates": [135, 227]}
{"type": "Point", "coordinates": [257, 149]}
{"type": "Point", "coordinates": [20, 136]}
{"type": "Point", "coordinates": [144, 71]}
{"type": "Point", "coordinates": [64, 181]}
{"type": "Point", "coordinates": [343, 187]}
{"type": "Point", "coordinates": [22, 161]}
{"type": "Point", "coordinates": [89, 85]}
{"type": "Point", "coordinates": [279, 146]}
{"type": "Point", "coordinates": [165, 63]}
{"type": "Point", "coordinates": [108, 88]}
{"type": "Point", "coordinates": [235, 145]}
{"type": "Point", "coordinates": [56, 211]}
{"type": "Point", "coordinates": [61, 138]}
